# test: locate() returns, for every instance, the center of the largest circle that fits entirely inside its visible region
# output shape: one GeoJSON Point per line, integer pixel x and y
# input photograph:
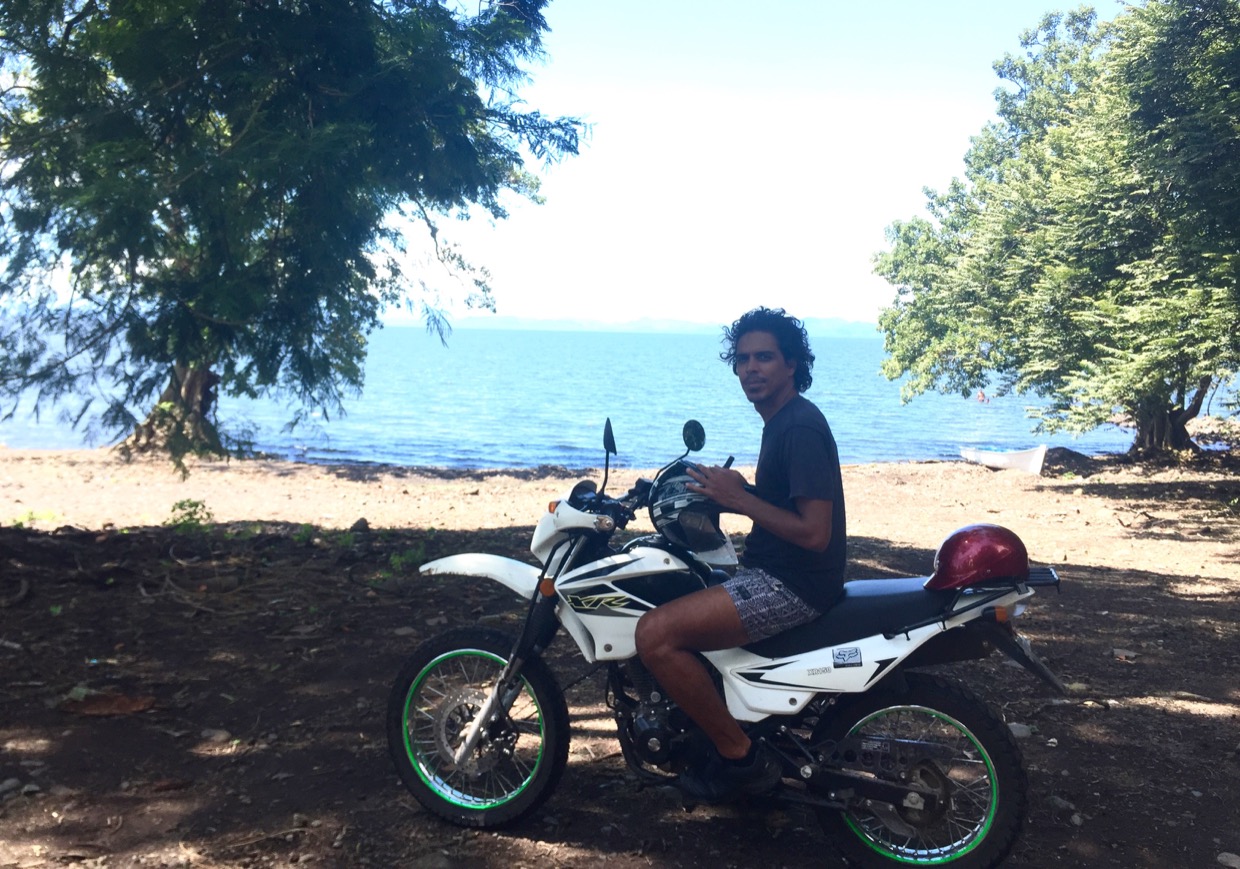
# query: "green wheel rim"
{"type": "Point", "coordinates": [974, 796]}
{"type": "Point", "coordinates": [436, 709]}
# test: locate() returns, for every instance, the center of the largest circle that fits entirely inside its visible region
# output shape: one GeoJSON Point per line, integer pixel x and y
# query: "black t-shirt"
{"type": "Point", "coordinates": [799, 460]}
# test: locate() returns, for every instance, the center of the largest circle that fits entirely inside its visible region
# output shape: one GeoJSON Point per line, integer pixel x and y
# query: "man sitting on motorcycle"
{"type": "Point", "coordinates": [792, 566]}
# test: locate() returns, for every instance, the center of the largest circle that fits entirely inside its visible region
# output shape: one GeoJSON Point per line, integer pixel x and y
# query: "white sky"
{"type": "Point", "coordinates": [743, 153]}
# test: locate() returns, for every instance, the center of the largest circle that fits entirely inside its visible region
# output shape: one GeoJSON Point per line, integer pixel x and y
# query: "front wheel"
{"type": "Point", "coordinates": [942, 738]}
{"type": "Point", "coordinates": [518, 758]}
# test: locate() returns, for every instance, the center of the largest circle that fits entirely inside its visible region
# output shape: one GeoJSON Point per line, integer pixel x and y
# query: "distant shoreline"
{"type": "Point", "coordinates": [817, 327]}
{"type": "Point", "coordinates": [478, 472]}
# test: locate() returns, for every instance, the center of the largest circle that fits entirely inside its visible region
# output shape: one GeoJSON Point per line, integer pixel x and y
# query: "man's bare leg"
{"type": "Point", "coordinates": [668, 638]}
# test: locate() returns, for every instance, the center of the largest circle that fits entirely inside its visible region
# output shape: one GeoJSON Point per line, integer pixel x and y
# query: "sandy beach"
{"type": "Point", "coordinates": [1091, 513]}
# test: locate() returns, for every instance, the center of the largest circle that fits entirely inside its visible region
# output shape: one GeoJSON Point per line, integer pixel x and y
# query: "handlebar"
{"type": "Point", "coordinates": [623, 509]}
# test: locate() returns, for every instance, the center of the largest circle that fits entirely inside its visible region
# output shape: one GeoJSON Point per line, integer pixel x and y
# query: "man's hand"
{"type": "Point", "coordinates": [724, 486]}
{"type": "Point", "coordinates": [808, 526]}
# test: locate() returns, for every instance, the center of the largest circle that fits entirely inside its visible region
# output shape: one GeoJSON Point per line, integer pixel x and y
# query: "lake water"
{"type": "Point", "coordinates": [520, 399]}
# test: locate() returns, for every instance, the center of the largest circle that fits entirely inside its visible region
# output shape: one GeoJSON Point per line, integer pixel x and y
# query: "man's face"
{"type": "Point", "coordinates": [764, 373]}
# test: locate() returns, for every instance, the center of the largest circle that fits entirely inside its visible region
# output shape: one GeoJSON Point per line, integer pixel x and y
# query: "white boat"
{"type": "Point", "coordinates": [1029, 461]}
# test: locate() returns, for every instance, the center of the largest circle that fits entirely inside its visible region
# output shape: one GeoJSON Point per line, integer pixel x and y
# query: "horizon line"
{"type": "Point", "coordinates": [508, 322]}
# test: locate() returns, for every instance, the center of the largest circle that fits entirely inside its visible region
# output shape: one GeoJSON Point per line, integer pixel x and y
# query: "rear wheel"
{"type": "Point", "coordinates": [518, 758]}
{"type": "Point", "coordinates": [939, 736]}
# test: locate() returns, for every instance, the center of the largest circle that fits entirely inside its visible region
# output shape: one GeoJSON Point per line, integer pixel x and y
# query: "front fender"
{"type": "Point", "coordinates": [515, 575]}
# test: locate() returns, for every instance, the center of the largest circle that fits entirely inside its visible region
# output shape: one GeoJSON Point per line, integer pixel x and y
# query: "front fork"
{"type": "Point", "coordinates": [536, 634]}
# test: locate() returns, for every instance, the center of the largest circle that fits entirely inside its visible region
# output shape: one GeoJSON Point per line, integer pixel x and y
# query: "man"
{"type": "Point", "coordinates": [792, 566]}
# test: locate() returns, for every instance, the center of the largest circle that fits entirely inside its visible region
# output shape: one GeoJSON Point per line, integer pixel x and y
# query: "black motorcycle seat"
{"type": "Point", "coordinates": [867, 607]}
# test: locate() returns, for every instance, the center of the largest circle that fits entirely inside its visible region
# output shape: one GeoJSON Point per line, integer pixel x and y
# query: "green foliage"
{"type": "Point", "coordinates": [1179, 62]}
{"type": "Point", "coordinates": [244, 532]}
{"type": "Point", "coordinates": [204, 194]}
{"type": "Point", "coordinates": [31, 517]}
{"type": "Point", "coordinates": [189, 516]}
{"type": "Point", "coordinates": [409, 560]}
{"type": "Point", "coordinates": [1089, 256]}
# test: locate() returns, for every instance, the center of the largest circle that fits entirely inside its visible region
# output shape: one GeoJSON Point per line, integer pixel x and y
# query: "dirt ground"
{"type": "Point", "coordinates": [194, 672]}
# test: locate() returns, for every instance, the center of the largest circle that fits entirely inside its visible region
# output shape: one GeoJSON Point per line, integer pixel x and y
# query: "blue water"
{"type": "Point", "coordinates": [520, 399]}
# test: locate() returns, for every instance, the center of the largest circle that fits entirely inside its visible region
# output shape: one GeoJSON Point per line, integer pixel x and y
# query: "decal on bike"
{"type": "Point", "coordinates": [849, 657]}
{"type": "Point", "coordinates": [659, 588]}
{"type": "Point", "coordinates": [592, 603]}
{"type": "Point", "coordinates": [882, 668]}
{"type": "Point", "coordinates": [759, 675]}
{"type": "Point", "coordinates": [602, 571]}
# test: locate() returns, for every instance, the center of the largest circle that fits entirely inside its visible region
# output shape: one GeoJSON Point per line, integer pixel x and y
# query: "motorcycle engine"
{"type": "Point", "coordinates": [652, 735]}
{"type": "Point", "coordinates": [655, 726]}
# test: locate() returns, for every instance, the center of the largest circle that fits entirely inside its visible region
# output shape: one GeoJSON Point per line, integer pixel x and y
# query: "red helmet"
{"type": "Point", "coordinates": [977, 553]}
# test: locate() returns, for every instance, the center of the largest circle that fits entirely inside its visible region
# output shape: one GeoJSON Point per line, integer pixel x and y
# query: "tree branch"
{"type": "Point", "coordinates": [1194, 407]}
{"type": "Point", "coordinates": [91, 6]}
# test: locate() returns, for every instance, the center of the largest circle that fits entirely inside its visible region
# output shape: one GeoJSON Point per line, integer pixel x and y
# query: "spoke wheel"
{"type": "Point", "coordinates": [519, 755]}
{"type": "Point", "coordinates": [941, 738]}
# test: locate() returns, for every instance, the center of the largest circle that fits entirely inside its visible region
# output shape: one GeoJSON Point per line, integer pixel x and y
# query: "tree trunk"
{"type": "Point", "coordinates": [1163, 428]}
{"type": "Point", "coordinates": [180, 422]}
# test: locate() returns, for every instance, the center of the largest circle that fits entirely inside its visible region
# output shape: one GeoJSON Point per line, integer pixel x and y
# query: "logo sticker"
{"type": "Point", "coordinates": [850, 657]}
{"type": "Point", "coordinates": [591, 602]}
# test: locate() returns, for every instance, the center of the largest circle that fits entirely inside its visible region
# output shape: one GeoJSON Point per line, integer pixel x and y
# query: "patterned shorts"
{"type": "Point", "coordinates": [766, 606]}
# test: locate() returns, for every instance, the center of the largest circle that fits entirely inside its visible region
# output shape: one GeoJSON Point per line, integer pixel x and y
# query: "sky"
{"type": "Point", "coordinates": [742, 154]}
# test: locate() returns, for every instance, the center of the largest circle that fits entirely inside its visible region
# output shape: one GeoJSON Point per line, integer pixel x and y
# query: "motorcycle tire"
{"type": "Point", "coordinates": [972, 763]}
{"type": "Point", "coordinates": [518, 760]}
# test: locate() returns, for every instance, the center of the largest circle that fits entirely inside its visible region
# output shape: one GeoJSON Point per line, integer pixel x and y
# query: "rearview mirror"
{"type": "Point", "coordinates": [609, 438]}
{"type": "Point", "coordinates": [694, 435]}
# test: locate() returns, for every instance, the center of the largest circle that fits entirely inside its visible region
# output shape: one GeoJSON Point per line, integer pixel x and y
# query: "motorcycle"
{"type": "Point", "coordinates": [898, 765]}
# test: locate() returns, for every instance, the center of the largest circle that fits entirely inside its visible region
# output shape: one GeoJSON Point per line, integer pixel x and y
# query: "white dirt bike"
{"type": "Point", "coordinates": [900, 767]}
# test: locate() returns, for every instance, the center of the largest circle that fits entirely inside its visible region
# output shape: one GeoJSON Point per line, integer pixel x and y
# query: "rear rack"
{"type": "Point", "coordinates": [1039, 577]}
{"type": "Point", "coordinates": [1043, 576]}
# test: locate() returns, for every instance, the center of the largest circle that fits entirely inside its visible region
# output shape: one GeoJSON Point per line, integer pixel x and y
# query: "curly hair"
{"type": "Point", "coordinates": [789, 333]}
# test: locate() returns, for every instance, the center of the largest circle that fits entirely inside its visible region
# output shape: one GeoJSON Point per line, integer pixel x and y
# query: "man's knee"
{"type": "Point", "coordinates": [650, 636]}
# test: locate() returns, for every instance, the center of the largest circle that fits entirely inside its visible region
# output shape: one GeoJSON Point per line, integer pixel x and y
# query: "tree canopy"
{"type": "Point", "coordinates": [1089, 256]}
{"type": "Point", "coordinates": [199, 195]}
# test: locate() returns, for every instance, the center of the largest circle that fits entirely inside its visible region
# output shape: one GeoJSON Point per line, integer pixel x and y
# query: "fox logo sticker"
{"type": "Point", "coordinates": [848, 657]}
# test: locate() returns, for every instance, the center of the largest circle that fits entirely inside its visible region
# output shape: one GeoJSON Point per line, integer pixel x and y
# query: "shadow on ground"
{"type": "Point", "coordinates": [216, 698]}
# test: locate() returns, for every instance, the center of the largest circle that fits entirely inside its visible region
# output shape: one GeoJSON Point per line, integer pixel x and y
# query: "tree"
{"type": "Point", "coordinates": [1066, 264]}
{"type": "Point", "coordinates": [1179, 64]}
{"type": "Point", "coordinates": [201, 195]}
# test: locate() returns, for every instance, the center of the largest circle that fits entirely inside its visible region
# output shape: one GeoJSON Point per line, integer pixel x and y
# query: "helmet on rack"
{"type": "Point", "coordinates": [684, 517]}
{"type": "Point", "coordinates": [977, 553]}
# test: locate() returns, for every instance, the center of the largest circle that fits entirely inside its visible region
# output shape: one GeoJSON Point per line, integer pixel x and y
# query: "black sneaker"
{"type": "Point", "coordinates": [720, 781]}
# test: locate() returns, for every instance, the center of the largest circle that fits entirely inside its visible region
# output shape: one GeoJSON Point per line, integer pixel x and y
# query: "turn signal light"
{"type": "Point", "coordinates": [999, 614]}
{"type": "Point", "coordinates": [552, 506]}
